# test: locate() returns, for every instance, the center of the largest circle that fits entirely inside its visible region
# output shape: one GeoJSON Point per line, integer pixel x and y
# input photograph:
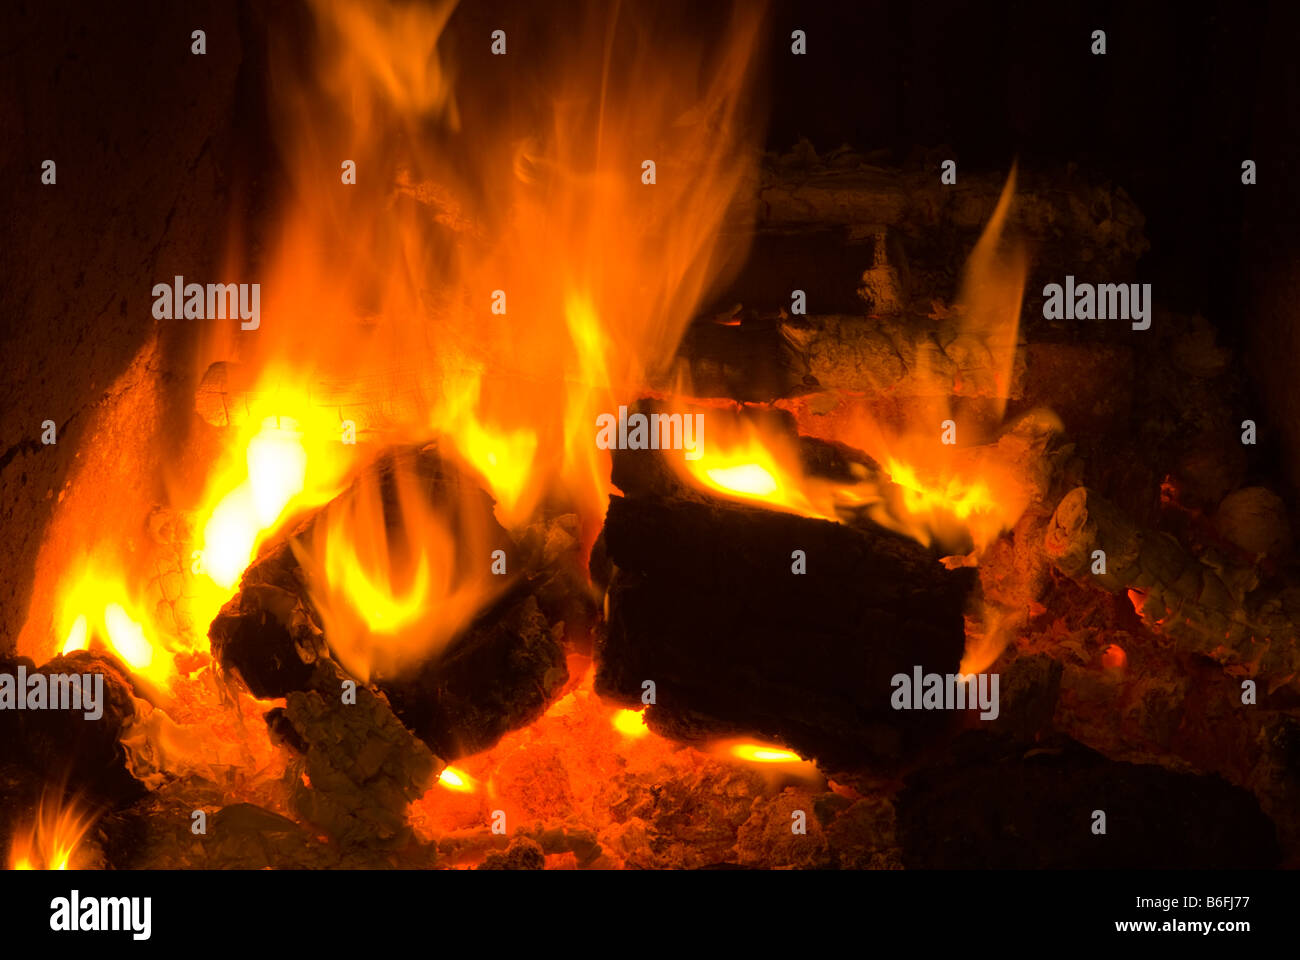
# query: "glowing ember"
{"type": "Point", "coordinates": [630, 723]}
{"type": "Point", "coordinates": [454, 779]}
{"type": "Point", "coordinates": [757, 753]}
{"type": "Point", "coordinates": [1114, 657]}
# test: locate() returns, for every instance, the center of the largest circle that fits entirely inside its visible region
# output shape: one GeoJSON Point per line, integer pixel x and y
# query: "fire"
{"type": "Point", "coordinates": [752, 466]}
{"type": "Point", "coordinates": [457, 780]}
{"type": "Point", "coordinates": [772, 759]}
{"type": "Point", "coordinates": [96, 607]}
{"type": "Point", "coordinates": [630, 723]}
{"type": "Point", "coordinates": [394, 581]}
{"type": "Point", "coordinates": [955, 490]}
{"type": "Point", "coordinates": [760, 754]}
{"type": "Point", "coordinates": [50, 841]}
{"type": "Point", "coordinates": [499, 286]}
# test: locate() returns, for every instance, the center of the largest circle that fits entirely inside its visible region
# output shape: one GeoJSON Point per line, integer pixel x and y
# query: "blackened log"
{"type": "Point", "coordinates": [992, 804]}
{"type": "Point", "coordinates": [270, 634]}
{"type": "Point", "coordinates": [497, 676]}
{"type": "Point", "coordinates": [704, 603]}
{"type": "Point", "coordinates": [64, 747]}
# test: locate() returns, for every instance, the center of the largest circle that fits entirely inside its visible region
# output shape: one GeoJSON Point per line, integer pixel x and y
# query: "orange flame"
{"type": "Point", "coordinates": [630, 723]}
{"type": "Point", "coordinates": [929, 489]}
{"type": "Point", "coordinates": [394, 583]}
{"type": "Point", "coordinates": [49, 841]}
{"type": "Point", "coordinates": [768, 757]}
{"type": "Point", "coordinates": [457, 780]}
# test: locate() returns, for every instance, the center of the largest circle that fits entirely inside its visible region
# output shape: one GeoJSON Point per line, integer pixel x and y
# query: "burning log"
{"type": "Point", "coordinates": [992, 805]}
{"type": "Point", "coordinates": [497, 677]}
{"type": "Point", "coordinates": [1213, 609]}
{"type": "Point", "coordinates": [703, 602]}
{"type": "Point", "coordinates": [494, 675]}
{"type": "Point", "coordinates": [81, 746]}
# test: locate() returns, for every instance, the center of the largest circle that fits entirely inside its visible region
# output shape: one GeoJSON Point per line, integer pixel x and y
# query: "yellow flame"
{"type": "Point", "coordinates": [78, 636]}
{"type": "Point", "coordinates": [630, 723]}
{"type": "Point", "coordinates": [394, 581]}
{"type": "Point", "coordinates": [457, 780]}
{"type": "Point", "coordinates": [276, 466]}
{"type": "Point", "coordinates": [757, 753]}
{"type": "Point", "coordinates": [95, 605]}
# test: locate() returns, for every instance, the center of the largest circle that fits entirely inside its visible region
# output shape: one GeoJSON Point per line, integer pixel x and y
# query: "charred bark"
{"type": "Point", "coordinates": [704, 603]}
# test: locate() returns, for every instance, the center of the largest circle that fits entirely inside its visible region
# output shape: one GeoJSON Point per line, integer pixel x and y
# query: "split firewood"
{"type": "Point", "coordinates": [890, 356]}
{"type": "Point", "coordinates": [1204, 605]}
{"type": "Point", "coordinates": [394, 397]}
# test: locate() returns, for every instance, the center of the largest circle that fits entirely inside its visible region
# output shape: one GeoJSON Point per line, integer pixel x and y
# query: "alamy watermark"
{"type": "Point", "coordinates": [654, 431]}
{"type": "Point", "coordinates": [951, 691]}
{"type": "Point", "coordinates": [75, 913]}
{"type": "Point", "coordinates": [1103, 301]}
{"type": "Point", "coordinates": [216, 301]}
{"type": "Point", "coordinates": [55, 691]}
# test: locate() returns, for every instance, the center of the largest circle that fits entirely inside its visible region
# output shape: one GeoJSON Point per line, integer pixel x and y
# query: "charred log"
{"type": "Point", "coordinates": [66, 747]}
{"type": "Point", "coordinates": [494, 676]}
{"type": "Point", "coordinates": [703, 602]}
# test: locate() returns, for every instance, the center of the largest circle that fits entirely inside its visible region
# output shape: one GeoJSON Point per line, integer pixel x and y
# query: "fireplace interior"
{"type": "Point", "coordinates": [505, 437]}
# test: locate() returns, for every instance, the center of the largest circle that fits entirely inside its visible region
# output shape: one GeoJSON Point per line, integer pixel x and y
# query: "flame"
{"type": "Point", "coordinates": [457, 780]}
{"type": "Point", "coordinates": [630, 723]}
{"type": "Point", "coordinates": [747, 465]}
{"type": "Point", "coordinates": [958, 494]}
{"type": "Point", "coordinates": [394, 581]}
{"type": "Point", "coordinates": [49, 841]}
{"type": "Point", "coordinates": [756, 753]}
{"type": "Point", "coordinates": [954, 490]}
{"type": "Point", "coordinates": [770, 758]}
{"type": "Point", "coordinates": [95, 606]}
{"type": "Point", "coordinates": [387, 289]}
{"type": "Point", "coordinates": [77, 638]}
